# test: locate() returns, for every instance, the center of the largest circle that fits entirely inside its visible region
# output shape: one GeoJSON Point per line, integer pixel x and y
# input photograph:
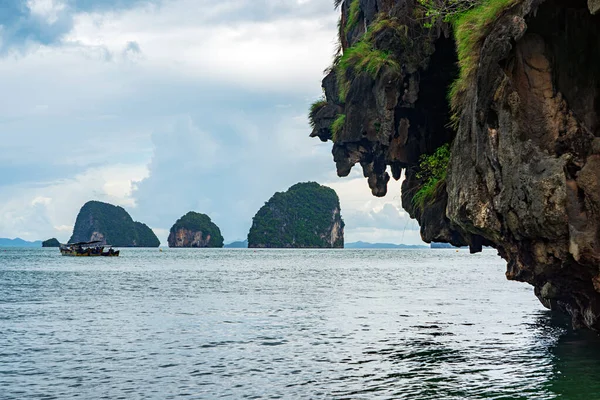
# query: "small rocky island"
{"type": "Point", "coordinates": [195, 230]}
{"type": "Point", "coordinates": [308, 215]}
{"type": "Point", "coordinates": [51, 243]}
{"type": "Point", "coordinates": [111, 225]}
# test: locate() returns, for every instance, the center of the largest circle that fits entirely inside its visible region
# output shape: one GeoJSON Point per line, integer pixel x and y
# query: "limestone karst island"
{"type": "Point", "coordinates": [108, 224]}
{"type": "Point", "coordinates": [307, 215]}
{"type": "Point", "coordinates": [195, 230]}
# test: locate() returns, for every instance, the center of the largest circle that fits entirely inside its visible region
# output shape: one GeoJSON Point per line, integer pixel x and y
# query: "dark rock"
{"type": "Point", "coordinates": [51, 243]}
{"type": "Point", "coordinates": [330, 88]}
{"type": "Point", "coordinates": [324, 118]}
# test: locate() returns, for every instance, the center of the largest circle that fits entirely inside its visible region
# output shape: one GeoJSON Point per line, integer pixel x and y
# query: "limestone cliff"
{"type": "Point", "coordinates": [306, 216]}
{"type": "Point", "coordinates": [111, 225]}
{"type": "Point", "coordinates": [195, 230]}
{"type": "Point", "coordinates": [522, 122]}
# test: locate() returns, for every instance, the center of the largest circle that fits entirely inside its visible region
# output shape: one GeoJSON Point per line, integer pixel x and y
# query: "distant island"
{"type": "Point", "coordinates": [111, 225]}
{"type": "Point", "coordinates": [306, 216]}
{"type": "Point", "coordinates": [195, 230]}
{"type": "Point", "coordinates": [18, 242]}
{"type": "Point", "coordinates": [51, 243]}
{"type": "Point", "coordinates": [237, 245]}
{"type": "Point", "coordinates": [443, 246]}
{"type": "Point", "coordinates": [367, 245]}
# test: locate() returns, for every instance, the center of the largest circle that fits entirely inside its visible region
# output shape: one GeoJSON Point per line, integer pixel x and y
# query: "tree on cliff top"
{"type": "Point", "coordinates": [197, 222]}
{"type": "Point", "coordinates": [301, 217]}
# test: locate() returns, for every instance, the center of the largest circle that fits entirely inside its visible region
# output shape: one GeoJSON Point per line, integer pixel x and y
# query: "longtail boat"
{"type": "Point", "coordinates": [88, 249]}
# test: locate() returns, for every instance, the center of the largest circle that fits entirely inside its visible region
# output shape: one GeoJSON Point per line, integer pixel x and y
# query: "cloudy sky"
{"type": "Point", "coordinates": [167, 106]}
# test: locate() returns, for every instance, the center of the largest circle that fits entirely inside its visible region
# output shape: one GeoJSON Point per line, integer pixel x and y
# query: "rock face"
{"type": "Point", "coordinates": [111, 225]}
{"type": "Point", "coordinates": [51, 243]}
{"type": "Point", "coordinates": [306, 216]}
{"type": "Point", "coordinates": [195, 230]}
{"type": "Point", "coordinates": [524, 170]}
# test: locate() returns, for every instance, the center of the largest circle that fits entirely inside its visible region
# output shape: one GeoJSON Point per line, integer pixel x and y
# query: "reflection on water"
{"type": "Point", "coordinates": [576, 362]}
{"type": "Point", "coordinates": [282, 324]}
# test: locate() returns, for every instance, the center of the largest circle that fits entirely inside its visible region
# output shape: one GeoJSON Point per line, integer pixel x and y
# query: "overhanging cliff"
{"type": "Point", "coordinates": [521, 121]}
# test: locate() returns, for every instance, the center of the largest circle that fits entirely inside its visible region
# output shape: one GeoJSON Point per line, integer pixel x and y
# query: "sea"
{"type": "Point", "coordinates": [282, 324]}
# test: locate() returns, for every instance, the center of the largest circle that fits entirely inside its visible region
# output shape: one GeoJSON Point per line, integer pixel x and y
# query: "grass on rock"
{"type": "Point", "coordinates": [337, 126]}
{"type": "Point", "coordinates": [470, 30]}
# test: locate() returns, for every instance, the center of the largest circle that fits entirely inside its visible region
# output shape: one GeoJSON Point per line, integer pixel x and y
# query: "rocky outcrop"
{"type": "Point", "coordinates": [195, 230]}
{"type": "Point", "coordinates": [524, 170]}
{"type": "Point", "coordinates": [308, 215]}
{"type": "Point", "coordinates": [111, 225]}
{"type": "Point", "coordinates": [51, 243]}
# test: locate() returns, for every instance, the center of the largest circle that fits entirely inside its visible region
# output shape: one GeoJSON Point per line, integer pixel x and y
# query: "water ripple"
{"type": "Point", "coordinates": [282, 324]}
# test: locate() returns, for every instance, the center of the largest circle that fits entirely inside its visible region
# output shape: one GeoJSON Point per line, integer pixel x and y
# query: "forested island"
{"type": "Point", "coordinates": [111, 225]}
{"type": "Point", "coordinates": [307, 215]}
{"type": "Point", "coordinates": [195, 230]}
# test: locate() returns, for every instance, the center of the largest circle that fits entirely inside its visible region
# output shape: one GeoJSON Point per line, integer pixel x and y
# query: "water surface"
{"type": "Point", "coordinates": [347, 324]}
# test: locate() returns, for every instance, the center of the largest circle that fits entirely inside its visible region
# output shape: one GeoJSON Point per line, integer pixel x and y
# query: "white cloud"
{"type": "Point", "coordinates": [203, 39]}
{"type": "Point", "coordinates": [48, 10]}
{"type": "Point", "coordinates": [46, 210]}
{"type": "Point", "coordinates": [202, 104]}
{"type": "Point", "coordinates": [374, 219]}
{"type": "Point", "coordinates": [229, 171]}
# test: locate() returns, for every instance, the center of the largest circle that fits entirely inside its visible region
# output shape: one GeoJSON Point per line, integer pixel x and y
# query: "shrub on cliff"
{"type": "Point", "coordinates": [307, 215]}
{"type": "Point", "coordinates": [314, 109]}
{"type": "Point", "coordinates": [432, 170]}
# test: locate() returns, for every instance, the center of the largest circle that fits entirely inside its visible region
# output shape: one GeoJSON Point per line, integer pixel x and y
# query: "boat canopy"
{"type": "Point", "coordinates": [84, 243]}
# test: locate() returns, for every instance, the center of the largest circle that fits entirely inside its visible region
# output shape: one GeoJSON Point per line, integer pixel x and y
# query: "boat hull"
{"type": "Point", "coordinates": [88, 253]}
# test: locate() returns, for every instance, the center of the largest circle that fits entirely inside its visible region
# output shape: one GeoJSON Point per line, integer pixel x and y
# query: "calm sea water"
{"type": "Point", "coordinates": [203, 324]}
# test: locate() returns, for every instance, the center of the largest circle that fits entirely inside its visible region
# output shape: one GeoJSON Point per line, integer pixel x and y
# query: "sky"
{"type": "Point", "coordinates": [169, 106]}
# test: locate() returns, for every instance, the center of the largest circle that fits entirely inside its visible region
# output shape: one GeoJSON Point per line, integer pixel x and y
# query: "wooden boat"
{"type": "Point", "coordinates": [87, 249]}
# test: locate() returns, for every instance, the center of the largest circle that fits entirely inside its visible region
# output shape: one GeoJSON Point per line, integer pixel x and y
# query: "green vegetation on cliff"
{"type": "Point", "coordinates": [366, 57]}
{"type": "Point", "coordinates": [362, 57]}
{"type": "Point", "coordinates": [197, 222]}
{"type": "Point", "coordinates": [470, 29]}
{"type": "Point", "coordinates": [51, 243]}
{"type": "Point", "coordinates": [337, 126]}
{"type": "Point", "coordinates": [113, 225]}
{"type": "Point", "coordinates": [307, 215]}
{"type": "Point", "coordinates": [432, 170]}
{"type": "Point", "coordinates": [471, 21]}
{"type": "Point", "coordinates": [145, 236]}
{"type": "Point", "coordinates": [352, 15]}
{"type": "Point", "coordinates": [314, 109]}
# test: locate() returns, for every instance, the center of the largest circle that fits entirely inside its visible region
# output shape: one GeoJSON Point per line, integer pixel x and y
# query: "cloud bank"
{"type": "Point", "coordinates": [165, 107]}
